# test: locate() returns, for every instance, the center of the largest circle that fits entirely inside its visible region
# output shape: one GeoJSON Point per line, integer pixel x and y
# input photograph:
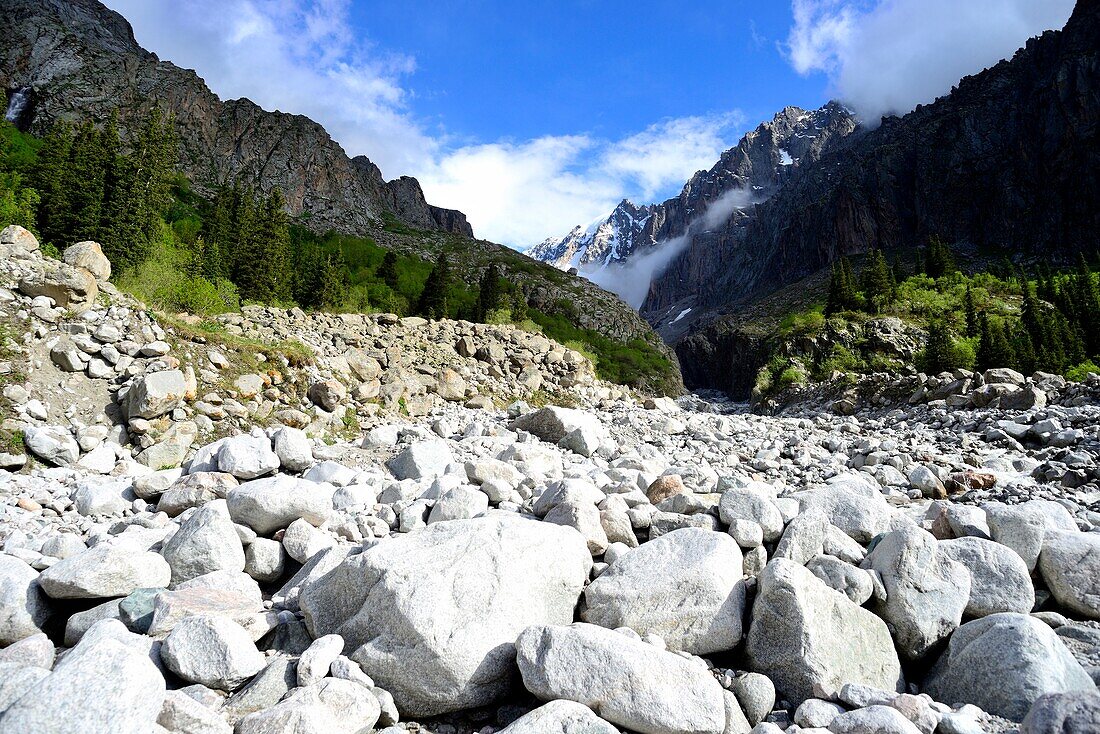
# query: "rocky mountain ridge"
{"type": "Point", "coordinates": [69, 59]}
{"type": "Point", "coordinates": [1004, 163]}
{"type": "Point", "coordinates": [744, 175]}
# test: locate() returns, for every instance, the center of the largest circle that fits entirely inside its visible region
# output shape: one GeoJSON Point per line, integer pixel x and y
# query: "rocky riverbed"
{"type": "Point", "coordinates": [483, 564]}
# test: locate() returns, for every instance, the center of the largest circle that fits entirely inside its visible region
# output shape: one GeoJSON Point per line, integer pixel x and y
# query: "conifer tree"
{"type": "Point", "coordinates": [900, 273]}
{"type": "Point", "coordinates": [518, 305]}
{"type": "Point", "coordinates": [938, 259]}
{"type": "Point", "coordinates": [970, 313]}
{"type": "Point", "coordinates": [994, 348]}
{"type": "Point", "coordinates": [842, 291]}
{"type": "Point", "coordinates": [938, 349]}
{"type": "Point", "coordinates": [47, 179]}
{"type": "Point", "coordinates": [333, 281]}
{"type": "Point", "coordinates": [1023, 348]}
{"type": "Point", "coordinates": [490, 294]}
{"type": "Point", "coordinates": [433, 302]}
{"type": "Point", "coordinates": [878, 283]}
{"type": "Point", "coordinates": [263, 265]}
{"type": "Point", "coordinates": [387, 270]}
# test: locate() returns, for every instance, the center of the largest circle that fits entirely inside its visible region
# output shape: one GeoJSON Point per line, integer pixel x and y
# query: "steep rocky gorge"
{"type": "Point", "coordinates": [1006, 163]}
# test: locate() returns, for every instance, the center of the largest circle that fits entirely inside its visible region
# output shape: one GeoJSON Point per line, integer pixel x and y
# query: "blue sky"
{"type": "Point", "coordinates": [533, 117]}
{"type": "Point", "coordinates": [492, 70]}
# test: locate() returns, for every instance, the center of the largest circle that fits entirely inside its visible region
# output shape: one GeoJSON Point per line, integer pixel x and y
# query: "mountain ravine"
{"type": "Point", "coordinates": [1006, 164]}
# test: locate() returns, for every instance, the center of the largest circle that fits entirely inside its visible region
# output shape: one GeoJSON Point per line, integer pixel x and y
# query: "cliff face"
{"type": "Point", "coordinates": [1010, 160]}
{"type": "Point", "coordinates": [79, 58]}
{"type": "Point", "coordinates": [711, 201]}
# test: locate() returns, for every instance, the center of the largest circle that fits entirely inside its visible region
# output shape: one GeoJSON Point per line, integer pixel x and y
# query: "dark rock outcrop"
{"type": "Point", "coordinates": [78, 58]}
{"type": "Point", "coordinates": [1008, 161]}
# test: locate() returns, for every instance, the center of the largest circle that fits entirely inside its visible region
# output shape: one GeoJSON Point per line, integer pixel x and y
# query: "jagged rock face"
{"type": "Point", "coordinates": [606, 241]}
{"type": "Point", "coordinates": [762, 160]}
{"type": "Point", "coordinates": [78, 58]}
{"type": "Point", "coordinates": [1007, 160]}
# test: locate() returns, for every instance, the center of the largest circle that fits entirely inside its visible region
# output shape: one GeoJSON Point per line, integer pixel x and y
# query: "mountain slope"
{"type": "Point", "coordinates": [70, 59]}
{"type": "Point", "coordinates": [1008, 162]}
{"type": "Point", "coordinates": [745, 174]}
{"type": "Point", "coordinates": [75, 58]}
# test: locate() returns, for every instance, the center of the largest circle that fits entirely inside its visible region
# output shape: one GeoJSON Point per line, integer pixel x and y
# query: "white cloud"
{"type": "Point", "coordinates": [887, 56]}
{"type": "Point", "coordinates": [521, 193]}
{"type": "Point", "coordinates": [305, 57]}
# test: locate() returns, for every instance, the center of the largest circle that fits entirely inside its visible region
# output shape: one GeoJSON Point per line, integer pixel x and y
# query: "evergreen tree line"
{"type": "Point", "coordinates": [91, 188]}
{"type": "Point", "coordinates": [1057, 327]}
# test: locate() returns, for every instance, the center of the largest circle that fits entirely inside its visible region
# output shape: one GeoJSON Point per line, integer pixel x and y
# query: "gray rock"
{"type": "Point", "coordinates": [293, 449]}
{"type": "Point", "coordinates": [813, 712]}
{"type": "Point", "coordinates": [1003, 663]}
{"type": "Point", "coordinates": [89, 256]}
{"type": "Point", "coordinates": [684, 587]}
{"type": "Point", "coordinates": [102, 685]}
{"type": "Point", "coordinates": [756, 695]}
{"type": "Point", "coordinates": [155, 394]}
{"type": "Point", "coordinates": [266, 689]}
{"type": "Point", "coordinates": [552, 423]}
{"type": "Point", "coordinates": [104, 571]}
{"type": "Point", "coordinates": [432, 615]}
{"type": "Point", "coordinates": [560, 717]}
{"type": "Point", "coordinates": [265, 560]}
{"type": "Point", "coordinates": [1020, 528]}
{"type": "Point", "coordinates": [66, 356]}
{"type": "Point", "coordinates": [851, 504]}
{"type": "Point", "coordinates": [423, 460]}
{"type": "Point", "coordinates": [69, 287]}
{"type": "Point", "coordinates": [270, 504]}
{"type": "Point", "coordinates": [36, 650]}
{"type": "Point", "coordinates": [803, 538]}
{"type": "Point", "coordinates": [53, 445]}
{"type": "Point", "coordinates": [331, 706]}
{"type": "Point", "coordinates": [314, 663]}
{"type": "Point", "coordinates": [183, 714]}
{"type": "Point", "coordinates": [212, 650]}
{"type": "Point", "coordinates": [248, 457]}
{"type": "Point", "coordinates": [926, 591]}
{"type": "Point", "coordinates": [460, 503]}
{"type": "Point", "coordinates": [583, 517]}
{"type": "Point", "coordinates": [810, 640]}
{"type": "Point", "coordinates": [101, 498]}
{"type": "Point", "coordinates": [746, 504]}
{"type": "Point", "coordinates": [625, 680]}
{"type": "Point", "coordinates": [205, 542]}
{"type": "Point", "coordinates": [302, 541]}
{"type": "Point", "coordinates": [1063, 713]}
{"type": "Point", "coordinates": [327, 394]}
{"type": "Point", "coordinates": [1070, 565]}
{"type": "Point", "coordinates": [17, 679]}
{"type": "Point", "coordinates": [853, 582]}
{"type": "Point", "coordinates": [873, 720]}
{"type": "Point", "coordinates": [1000, 581]}
{"type": "Point", "coordinates": [23, 606]}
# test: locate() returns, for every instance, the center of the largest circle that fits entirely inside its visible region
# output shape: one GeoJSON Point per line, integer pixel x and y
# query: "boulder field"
{"type": "Point", "coordinates": [620, 564]}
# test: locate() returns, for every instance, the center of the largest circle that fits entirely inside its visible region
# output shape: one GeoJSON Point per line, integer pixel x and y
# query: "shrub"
{"type": "Point", "coordinates": [1080, 373]}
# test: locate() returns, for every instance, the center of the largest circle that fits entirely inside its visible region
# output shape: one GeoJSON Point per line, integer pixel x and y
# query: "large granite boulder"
{"type": "Point", "coordinates": [624, 680]}
{"type": "Point", "coordinates": [1003, 663]}
{"type": "Point", "coordinates": [685, 587]}
{"type": "Point", "coordinates": [432, 616]}
{"type": "Point", "coordinates": [810, 639]}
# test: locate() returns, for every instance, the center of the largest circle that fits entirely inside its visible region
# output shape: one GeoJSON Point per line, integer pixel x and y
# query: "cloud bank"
{"type": "Point", "coordinates": [888, 56]}
{"type": "Point", "coordinates": [305, 57]}
{"type": "Point", "coordinates": [630, 281]}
